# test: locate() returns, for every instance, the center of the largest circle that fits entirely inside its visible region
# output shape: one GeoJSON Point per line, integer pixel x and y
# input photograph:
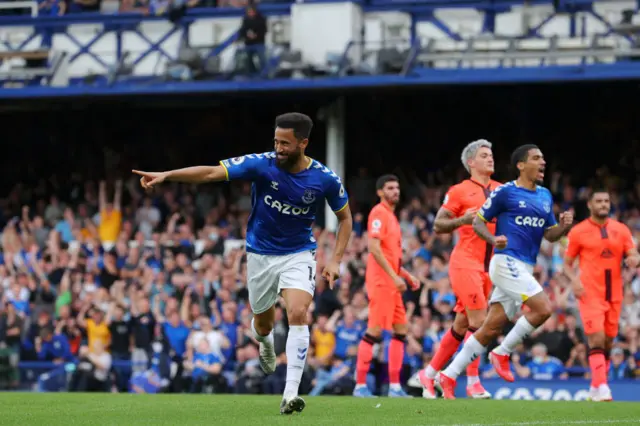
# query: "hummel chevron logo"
{"type": "Point", "coordinates": [302, 353]}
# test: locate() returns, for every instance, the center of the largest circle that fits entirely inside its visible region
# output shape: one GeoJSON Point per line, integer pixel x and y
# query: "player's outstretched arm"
{"type": "Point", "coordinates": [196, 174]}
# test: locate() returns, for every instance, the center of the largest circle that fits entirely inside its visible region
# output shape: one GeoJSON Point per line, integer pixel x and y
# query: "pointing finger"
{"type": "Point", "coordinates": [141, 173]}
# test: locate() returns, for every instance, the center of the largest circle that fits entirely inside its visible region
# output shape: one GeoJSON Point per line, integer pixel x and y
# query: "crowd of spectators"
{"type": "Point", "coordinates": [147, 292]}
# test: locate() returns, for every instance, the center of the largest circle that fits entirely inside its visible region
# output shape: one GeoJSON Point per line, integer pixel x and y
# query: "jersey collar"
{"type": "Point", "coordinates": [515, 182]}
{"type": "Point", "coordinates": [480, 184]}
{"type": "Point", "coordinates": [594, 223]}
{"type": "Point", "coordinates": [308, 166]}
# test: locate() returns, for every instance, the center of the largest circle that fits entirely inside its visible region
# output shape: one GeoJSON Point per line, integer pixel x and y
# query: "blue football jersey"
{"type": "Point", "coordinates": [522, 215]}
{"type": "Point", "coordinates": [284, 204]}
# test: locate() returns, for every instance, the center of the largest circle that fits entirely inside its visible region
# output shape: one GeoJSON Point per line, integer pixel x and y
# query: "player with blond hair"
{"type": "Point", "coordinates": [469, 264]}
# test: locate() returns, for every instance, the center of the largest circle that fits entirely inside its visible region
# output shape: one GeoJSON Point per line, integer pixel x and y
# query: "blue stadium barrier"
{"type": "Point", "coordinates": [55, 380]}
{"type": "Point", "coordinates": [552, 390]}
{"type": "Point", "coordinates": [422, 77]}
{"type": "Point", "coordinates": [47, 376]}
{"type": "Point", "coordinates": [50, 377]}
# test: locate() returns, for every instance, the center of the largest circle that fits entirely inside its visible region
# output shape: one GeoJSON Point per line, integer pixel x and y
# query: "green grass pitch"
{"type": "Point", "coordinates": [180, 410]}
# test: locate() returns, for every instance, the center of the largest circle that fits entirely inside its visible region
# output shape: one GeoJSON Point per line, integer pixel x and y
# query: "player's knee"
{"type": "Point", "coordinates": [490, 331]}
{"type": "Point", "coordinates": [476, 319]}
{"type": "Point", "coordinates": [540, 312]}
{"type": "Point", "coordinates": [608, 343]}
{"type": "Point", "coordinates": [596, 341]}
{"type": "Point", "coordinates": [297, 315]}
{"type": "Point", "coordinates": [460, 323]}
{"type": "Point", "coordinates": [545, 311]}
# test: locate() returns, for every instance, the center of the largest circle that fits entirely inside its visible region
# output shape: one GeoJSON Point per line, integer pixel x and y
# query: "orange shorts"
{"type": "Point", "coordinates": [386, 307]}
{"type": "Point", "coordinates": [472, 289]}
{"type": "Point", "coordinates": [599, 315]}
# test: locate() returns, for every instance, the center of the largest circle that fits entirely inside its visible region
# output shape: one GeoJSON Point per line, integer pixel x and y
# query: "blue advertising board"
{"type": "Point", "coordinates": [552, 390]}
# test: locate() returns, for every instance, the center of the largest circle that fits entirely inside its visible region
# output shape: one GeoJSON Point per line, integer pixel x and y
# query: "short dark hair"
{"type": "Point", "coordinates": [384, 179]}
{"type": "Point", "coordinates": [300, 123]}
{"type": "Point", "coordinates": [598, 190]}
{"type": "Point", "coordinates": [46, 332]}
{"type": "Point", "coordinates": [521, 154]}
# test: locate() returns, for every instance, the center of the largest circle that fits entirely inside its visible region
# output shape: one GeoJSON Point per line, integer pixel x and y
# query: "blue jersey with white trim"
{"type": "Point", "coordinates": [522, 215]}
{"type": "Point", "coordinates": [284, 205]}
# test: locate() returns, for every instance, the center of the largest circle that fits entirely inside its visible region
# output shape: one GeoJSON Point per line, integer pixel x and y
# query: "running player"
{"type": "Point", "coordinates": [524, 214]}
{"type": "Point", "coordinates": [385, 282]}
{"type": "Point", "coordinates": [601, 244]}
{"type": "Point", "coordinates": [288, 187]}
{"type": "Point", "coordinates": [469, 264]}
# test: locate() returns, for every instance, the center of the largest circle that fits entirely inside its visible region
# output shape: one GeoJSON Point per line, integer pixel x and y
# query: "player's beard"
{"type": "Point", "coordinates": [602, 214]}
{"type": "Point", "coordinates": [392, 201]}
{"type": "Point", "coordinates": [290, 161]}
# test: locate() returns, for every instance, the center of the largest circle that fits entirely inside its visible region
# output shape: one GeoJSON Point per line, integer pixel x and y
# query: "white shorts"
{"type": "Point", "coordinates": [513, 283]}
{"type": "Point", "coordinates": [267, 275]}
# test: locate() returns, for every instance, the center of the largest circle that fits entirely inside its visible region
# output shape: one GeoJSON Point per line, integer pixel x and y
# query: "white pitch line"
{"type": "Point", "coordinates": [574, 422]}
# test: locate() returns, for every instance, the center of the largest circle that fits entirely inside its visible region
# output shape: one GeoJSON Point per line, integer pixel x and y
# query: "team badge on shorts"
{"type": "Point", "coordinates": [309, 196]}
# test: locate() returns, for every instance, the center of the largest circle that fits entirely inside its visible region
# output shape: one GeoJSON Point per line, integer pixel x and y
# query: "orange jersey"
{"type": "Point", "coordinates": [384, 226]}
{"type": "Point", "coordinates": [601, 249]}
{"type": "Point", "coordinates": [471, 251]}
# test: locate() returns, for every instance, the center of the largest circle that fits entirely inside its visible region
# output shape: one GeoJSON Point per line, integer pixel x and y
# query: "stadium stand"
{"type": "Point", "coordinates": [158, 272]}
{"type": "Point", "coordinates": [416, 40]}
